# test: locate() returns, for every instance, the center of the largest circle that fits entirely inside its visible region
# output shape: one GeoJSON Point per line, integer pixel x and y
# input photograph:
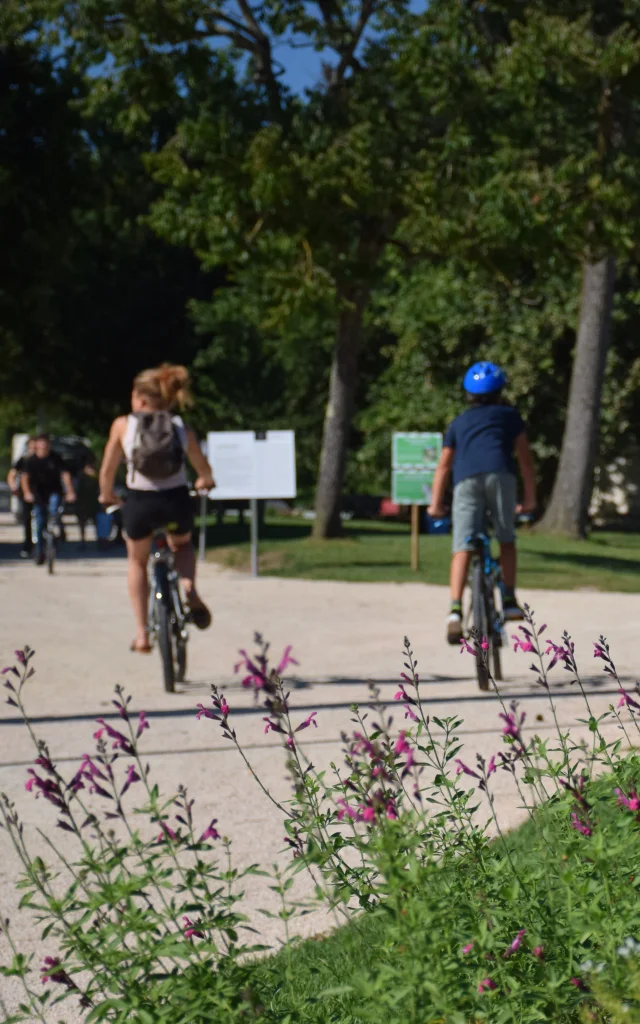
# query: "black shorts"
{"type": "Point", "coordinates": [146, 511]}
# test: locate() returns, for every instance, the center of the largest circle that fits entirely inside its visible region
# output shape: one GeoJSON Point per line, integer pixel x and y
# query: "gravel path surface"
{"type": "Point", "coordinates": [344, 635]}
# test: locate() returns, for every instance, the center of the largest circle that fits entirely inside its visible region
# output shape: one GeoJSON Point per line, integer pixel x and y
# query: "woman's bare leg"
{"type": "Point", "coordinates": [138, 557]}
{"type": "Point", "coordinates": [184, 557]}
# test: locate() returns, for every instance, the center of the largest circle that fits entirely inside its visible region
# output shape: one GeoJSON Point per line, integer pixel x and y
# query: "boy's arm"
{"type": "Point", "coordinates": [440, 481]}
{"type": "Point", "coordinates": [525, 461]}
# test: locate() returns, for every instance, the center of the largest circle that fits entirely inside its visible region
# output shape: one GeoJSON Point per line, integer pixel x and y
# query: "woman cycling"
{"type": "Point", "coordinates": [155, 443]}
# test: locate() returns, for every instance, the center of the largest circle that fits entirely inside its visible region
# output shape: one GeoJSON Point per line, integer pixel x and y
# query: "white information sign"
{"type": "Point", "coordinates": [250, 465]}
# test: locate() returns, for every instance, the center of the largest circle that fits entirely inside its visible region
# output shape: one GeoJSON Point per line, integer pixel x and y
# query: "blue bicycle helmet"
{"type": "Point", "coordinates": [484, 379]}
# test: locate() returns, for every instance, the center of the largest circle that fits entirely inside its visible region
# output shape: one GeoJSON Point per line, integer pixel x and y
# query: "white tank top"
{"type": "Point", "coordinates": [135, 480]}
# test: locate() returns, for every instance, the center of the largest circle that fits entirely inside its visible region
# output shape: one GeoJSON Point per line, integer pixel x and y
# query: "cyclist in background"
{"type": "Point", "coordinates": [44, 479]}
{"type": "Point", "coordinates": [479, 449]}
{"type": "Point", "coordinates": [15, 484]}
{"type": "Point", "coordinates": [155, 444]}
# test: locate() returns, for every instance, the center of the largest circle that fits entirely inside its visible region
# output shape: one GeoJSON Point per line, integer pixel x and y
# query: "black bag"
{"type": "Point", "coordinates": [157, 450]}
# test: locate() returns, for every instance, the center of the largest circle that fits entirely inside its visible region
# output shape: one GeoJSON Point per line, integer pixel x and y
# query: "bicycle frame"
{"type": "Point", "coordinates": [164, 587]}
{"type": "Point", "coordinates": [493, 574]}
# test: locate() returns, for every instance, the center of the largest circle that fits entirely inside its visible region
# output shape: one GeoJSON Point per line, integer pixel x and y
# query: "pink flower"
{"type": "Point", "coordinates": [132, 776]}
{"type": "Point", "coordinates": [559, 653]}
{"type": "Point", "coordinates": [492, 766]}
{"type": "Point", "coordinates": [308, 721]}
{"type": "Point", "coordinates": [578, 983]}
{"type": "Point", "coordinates": [391, 811]}
{"type": "Point", "coordinates": [465, 646]}
{"type": "Point", "coordinates": [401, 747]}
{"type": "Point", "coordinates": [626, 700]}
{"type": "Point", "coordinates": [631, 802]}
{"type": "Point", "coordinates": [256, 676]}
{"type": "Point", "coordinates": [408, 713]}
{"type": "Point", "coordinates": [467, 949]}
{"type": "Point", "coordinates": [203, 712]}
{"type": "Point", "coordinates": [120, 742]}
{"type": "Point", "coordinates": [191, 931]}
{"type": "Point", "coordinates": [462, 767]}
{"type": "Point", "coordinates": [142, 724]}
{"type": "Point", "coordinates": [512, 725]}
{"type": "Point", "coordinates": [210, 832]}
{"type": "Point", "coordinates": [538, 952]}
{"type": "Point", "coordinates": [401, 695]}
{"type": "Point", "coordinates": [367, 813]}
{"type": "Point", "coordinates": [346, 811]}
{"type": "Point", "coordinates": [291, 742]}
{"type": "Point", "coordinates": [522, 645]}
{"type": "Point", "coordinates": [271, 726]}
{"type": "Point", "coordinates": [517, 942]}
{"type": "Point", "coordinates": [487, 985]}
{"type": "Point", "coordinates": [286, 660]}
{"type": "Point", "coordinates": [484, 645]}
{"type": "Point", "coordinates": [599, 651]}
{"type": "Point", "coordinates": [579, 825]}
{"type": "Point", "coordinates": [224, 707]}
{"type": "Point", "coordinates": [49, 789]}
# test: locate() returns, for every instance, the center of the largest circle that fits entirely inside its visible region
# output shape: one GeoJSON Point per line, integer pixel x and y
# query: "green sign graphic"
{"type": "Point", "coordinates": [416, 451]}
{"type": "Point", "coordinates": [412, 487]}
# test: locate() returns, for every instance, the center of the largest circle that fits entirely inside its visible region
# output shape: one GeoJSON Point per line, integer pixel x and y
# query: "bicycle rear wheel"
{"type": "Point", "coordinates": [481, 621]}
{"type": "Point", "coordinates": [50, 548]}
{"type": "Point", "coordinates": [165, 644]}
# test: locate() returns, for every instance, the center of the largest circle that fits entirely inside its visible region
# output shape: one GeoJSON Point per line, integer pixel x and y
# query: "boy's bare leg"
{"type": "Point", "coordinates": [459, 573]}
{"type": "Point", "coordinates": [508, 561]}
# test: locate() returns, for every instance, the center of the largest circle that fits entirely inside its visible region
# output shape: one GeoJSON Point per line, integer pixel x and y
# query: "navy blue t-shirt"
{"type": "Point", "coordinates": [483, 438]}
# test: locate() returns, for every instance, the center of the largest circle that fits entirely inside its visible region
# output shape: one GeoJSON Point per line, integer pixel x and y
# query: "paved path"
{"type": "Point", "coordinates": [344, 634]}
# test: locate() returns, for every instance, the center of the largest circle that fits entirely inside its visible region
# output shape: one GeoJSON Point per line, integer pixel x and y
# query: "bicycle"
{"type": "Point", "coordinates": [485, 577]}
{"type": "Point", "coordinates": [167, 619]}
{"type": "Point", "coordinates": [50, 537]}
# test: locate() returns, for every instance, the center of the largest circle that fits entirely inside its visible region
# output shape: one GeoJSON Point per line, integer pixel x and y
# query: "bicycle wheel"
{"type": "Point", "coordinates": [163, 627]}
{"type": "Point", "coordinates": [181, 658]}
{"type": "Point", "coordinates": [50, 548]}
{"type": "Point", "coordinates": [481, 620]}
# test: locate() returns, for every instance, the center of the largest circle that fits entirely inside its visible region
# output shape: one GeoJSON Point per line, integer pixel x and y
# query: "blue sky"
{"type": "Point", "coordinates": [303, 68]}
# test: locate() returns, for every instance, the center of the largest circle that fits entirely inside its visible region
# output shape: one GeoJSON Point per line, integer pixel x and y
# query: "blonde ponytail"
{"type": "Point", "coordinates": [165, 387]}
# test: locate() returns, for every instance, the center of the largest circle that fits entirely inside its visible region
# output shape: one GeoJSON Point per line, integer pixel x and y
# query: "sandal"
{"type": "Point", "coordinates": [200, 615]}
{"type": "Point", "coordinates": [140, 650]}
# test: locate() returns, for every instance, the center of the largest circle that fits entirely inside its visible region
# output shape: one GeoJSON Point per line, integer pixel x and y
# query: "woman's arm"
{"type": "Point", "coordinates": [113, 455]}
{"type": "Point", "coordinates": [441, 479]}
{"type": "Point", "coordinates": [197, 459]}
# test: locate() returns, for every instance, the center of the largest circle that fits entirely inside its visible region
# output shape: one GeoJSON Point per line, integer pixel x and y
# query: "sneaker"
{"type": "Point", "coordinates": [454, 629]}
{"type": "Point", "coordinates": [511, 610]}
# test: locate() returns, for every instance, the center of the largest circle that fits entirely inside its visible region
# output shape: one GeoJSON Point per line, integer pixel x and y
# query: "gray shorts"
{"type": "Point", "coordinates": [474, 497]}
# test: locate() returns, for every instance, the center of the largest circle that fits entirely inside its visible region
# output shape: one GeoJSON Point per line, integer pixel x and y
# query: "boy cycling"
{"type": "Point", "coordinates": [479, 448]}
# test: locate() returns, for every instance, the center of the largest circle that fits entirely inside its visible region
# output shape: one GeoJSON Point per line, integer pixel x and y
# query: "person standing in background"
{"type": "Point", "coordinates": [15, 484]}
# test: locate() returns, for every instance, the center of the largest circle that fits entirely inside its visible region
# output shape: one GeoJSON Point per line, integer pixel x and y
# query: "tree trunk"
{"type": "Point", "coordinates": [337, 420]}
{"type": "Point", "coordinates": [568, 509]}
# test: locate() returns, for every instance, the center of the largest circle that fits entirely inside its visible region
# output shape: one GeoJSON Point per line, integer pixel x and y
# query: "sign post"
{"type": "Point", "coordinates": [251, 465]}
{"type": "Point", "coordinates": [414, 457]}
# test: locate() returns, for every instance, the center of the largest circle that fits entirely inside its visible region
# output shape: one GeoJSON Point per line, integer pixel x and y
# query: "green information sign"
{"type": "Point", "coordinates": [416, 450]}
{"type": "Point", "coordinates": [412, 486]}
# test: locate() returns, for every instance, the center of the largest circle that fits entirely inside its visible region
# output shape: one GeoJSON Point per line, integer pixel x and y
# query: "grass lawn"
{"type": "Point", "coordinates": [375, 552]}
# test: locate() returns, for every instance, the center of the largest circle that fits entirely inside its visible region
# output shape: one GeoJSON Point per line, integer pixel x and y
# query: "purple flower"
{"type": "Point", "coordinates": [401, 695]}
{"type": "Point", "coordinates": [271, 726]}
{"type": "Point", "coordinates": [391, 810]}
{"type": "Point", "coordinates": [465, 646]}
{"type": "Point", "coordinates": [512, 725]}
{"type": "Point", "coordinates": [203, 711]}
{"type": "Point", "coordinates": [492, 766]}
{"type": "Point", "coordinates": [49, 973]}
{"type": "Point", "coordinates": [559, 653]}
{"type": "Point", "coordinates": [167, 833]}
{"type": "Point", "coordinates": [631, 802]}
{"type": "Point", "coordinates": [290, 742]}
{"type": "Point", "coordinates": [191, 931]}
{"type": "Point", "coordinates": [132, 776]}
{"type": "Point", "coordinates": [210, 832]}
{"type": "Point", "coordinates": [224, 707]}
{"type": "Point", "coordinates": [538, 952]}
{"type": "Point", "coordinates": [579, 984]}
{"type": "Point", "coordinates": [517, 942]}
{"type": "Point", "coordinates": [462, 767]}
{"type": "Point", "coordinates": [408, 713]}
{"type": "Point", "coordinates": [467, 949]}
{"type": "Point", "coordinates": [579, 825]}
{"type": "Point", "coordinates": [20, 655]}
{"type": "Point", "coordinates": [255, 677]}
{"type": "Point", "coordinates": [599, 652]}
{"type": "Point", "coordinates": [142, 724]}
{"type": "Point", "coordinates": [286, 660]}
{"type": "Point", "coordinates": [47, 787]}
{"type": "Point", "coordinates": [308, 721]}
{"type": "Point", "coordinates": [487, 985]}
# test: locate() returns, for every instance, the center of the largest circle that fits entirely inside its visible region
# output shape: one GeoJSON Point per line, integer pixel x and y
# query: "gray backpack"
{"type": "Point", "coordinates": [157, 450]}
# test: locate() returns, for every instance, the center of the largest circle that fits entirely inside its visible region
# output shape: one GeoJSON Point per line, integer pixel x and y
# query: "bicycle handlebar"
{"type": "Point", "coordinates": [110, 509]}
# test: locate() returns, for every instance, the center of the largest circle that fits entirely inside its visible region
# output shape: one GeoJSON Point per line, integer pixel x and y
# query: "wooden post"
{"type": "Point", "coordinates": [415, 538]}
